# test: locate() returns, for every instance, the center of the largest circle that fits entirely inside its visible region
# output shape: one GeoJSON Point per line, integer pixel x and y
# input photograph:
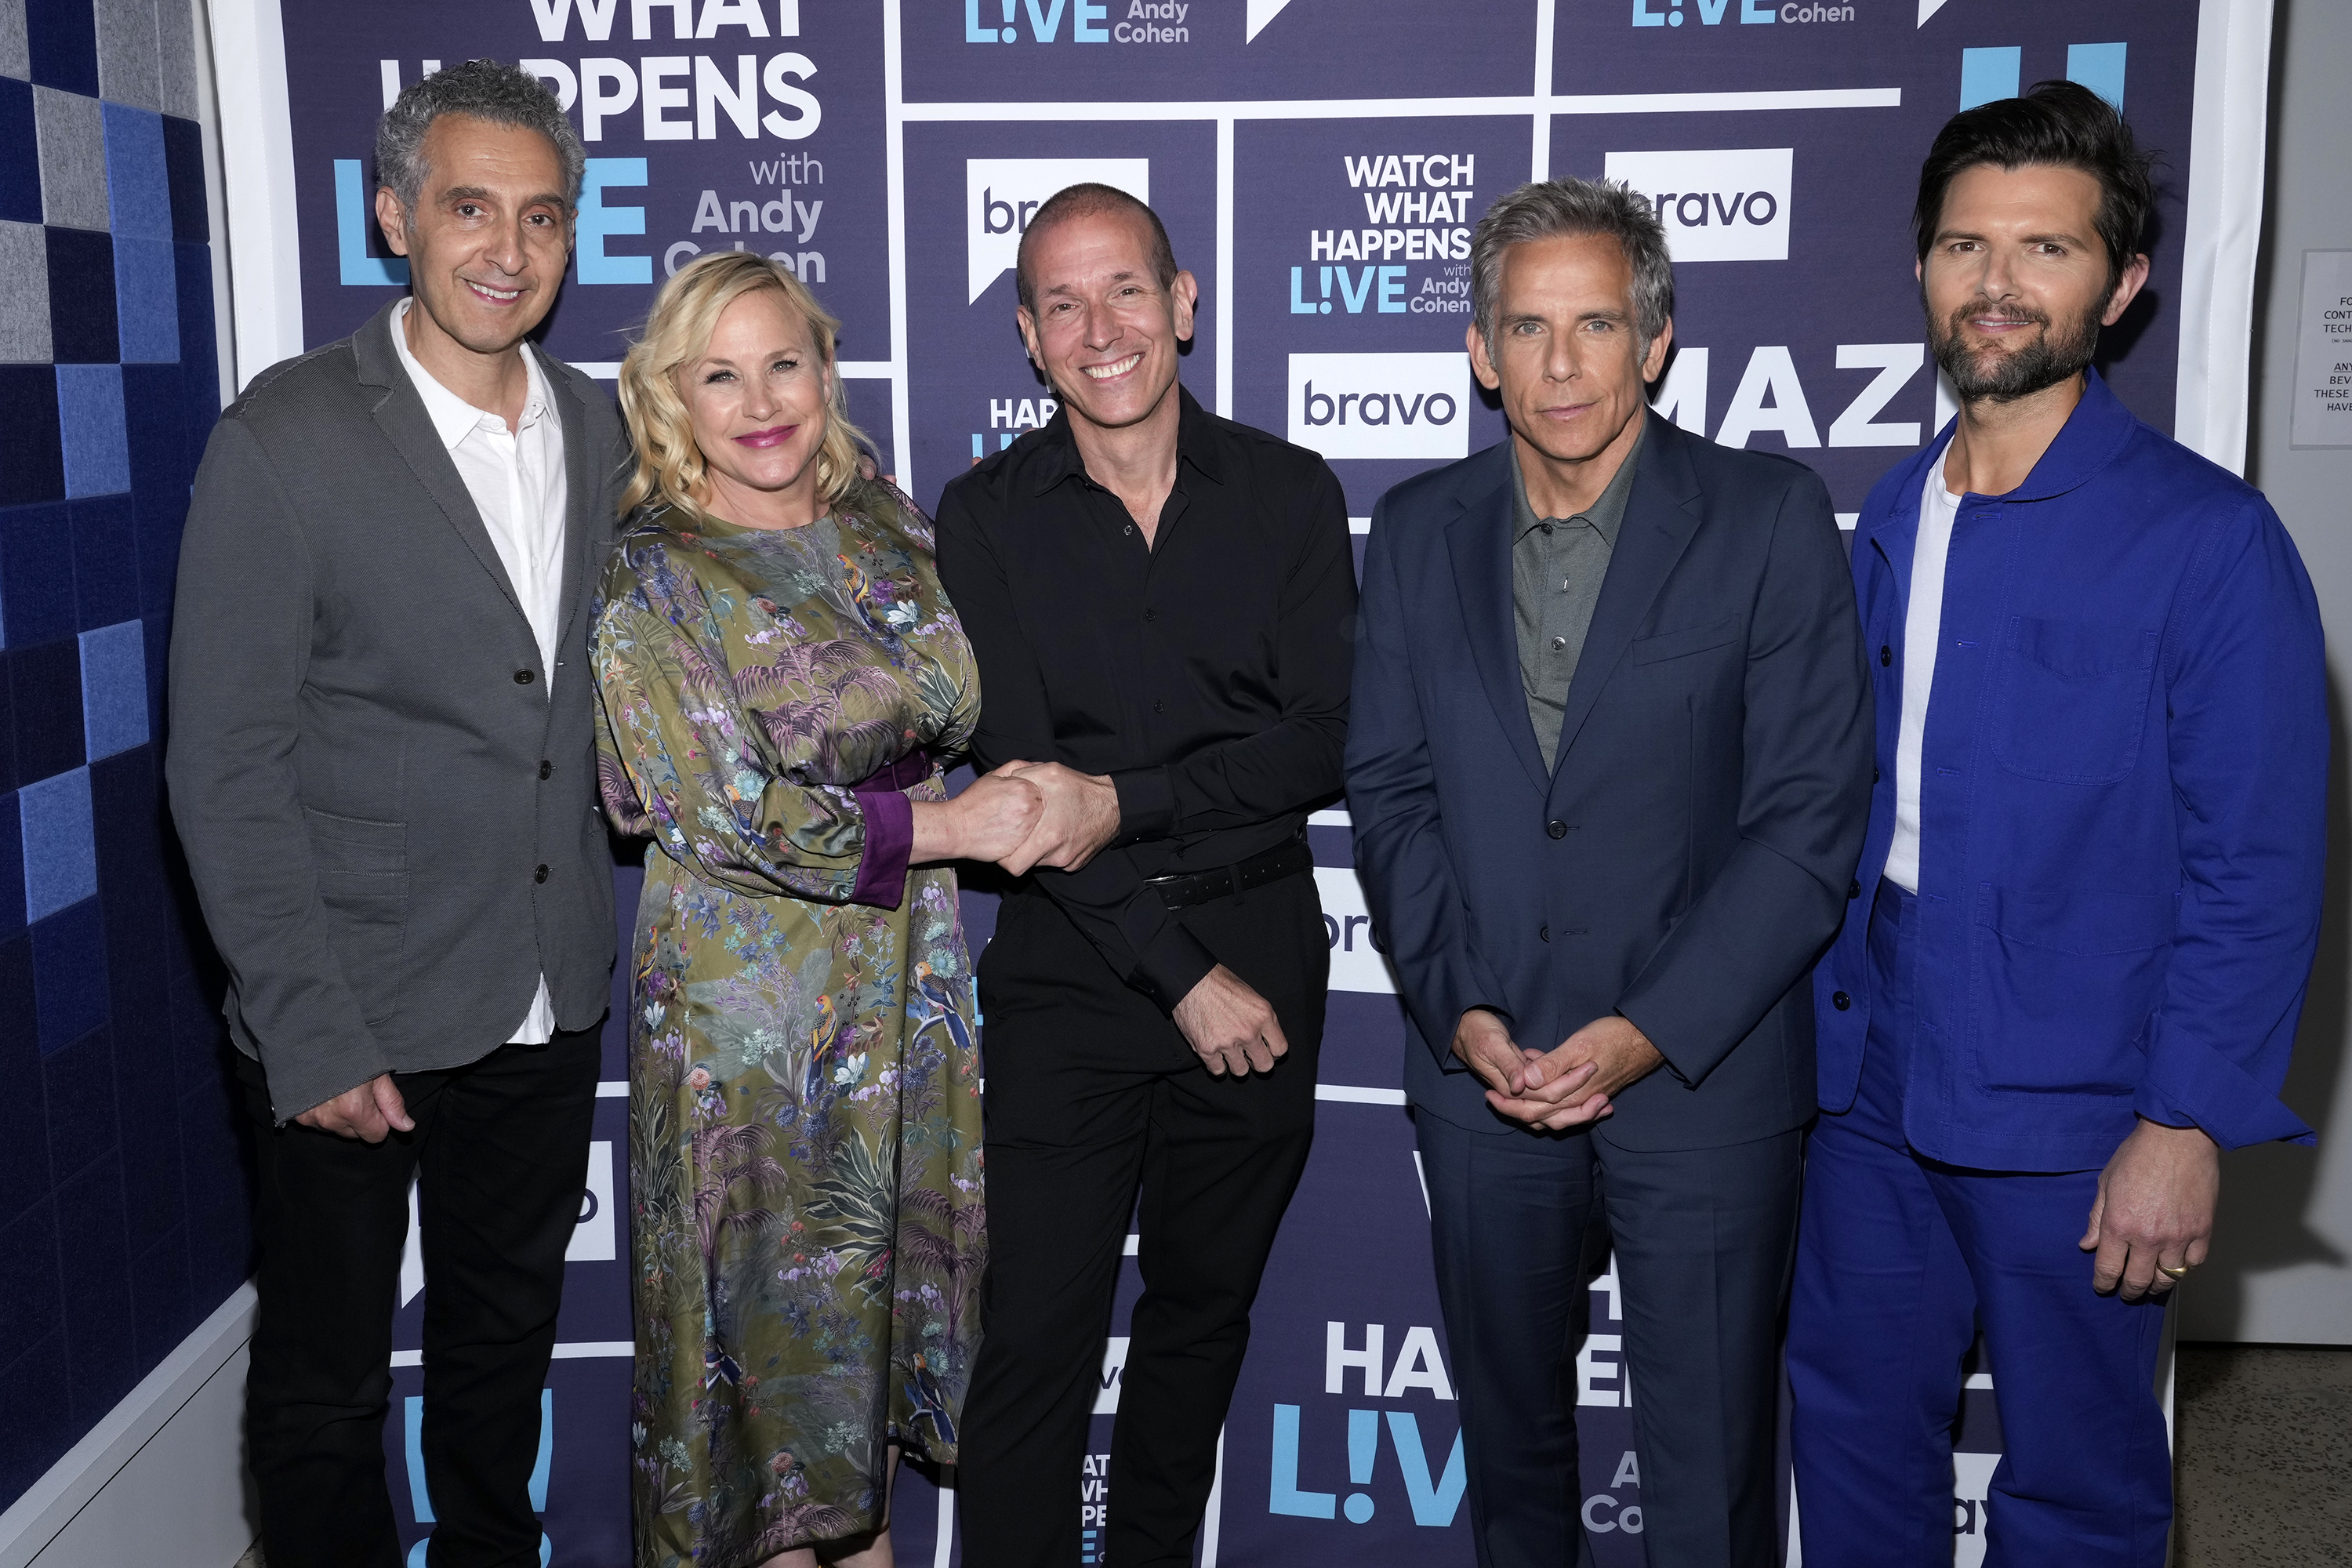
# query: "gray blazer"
{"type": "Point", "coordinates": [388, 807]}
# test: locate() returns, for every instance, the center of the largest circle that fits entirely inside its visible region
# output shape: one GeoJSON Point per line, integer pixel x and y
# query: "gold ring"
{"type": "Point", "coordinates": [2179, 1273]}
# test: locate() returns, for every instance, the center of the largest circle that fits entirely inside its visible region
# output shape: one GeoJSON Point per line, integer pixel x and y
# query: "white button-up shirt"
{"type": "Point", "coordinates": [1923, 622]}
{"type": "Point", "coordinates": [518, 485]}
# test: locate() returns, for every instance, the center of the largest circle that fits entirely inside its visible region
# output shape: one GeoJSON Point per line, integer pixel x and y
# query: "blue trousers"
{"type": "Point", "coordinates": [1899, 1260]}
{"type": "Point", "coordinates": [1703, 1238]}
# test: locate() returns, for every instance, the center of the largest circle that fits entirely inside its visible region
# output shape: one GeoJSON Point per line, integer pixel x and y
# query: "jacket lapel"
{"type": "Point", "coordinates": [1661, 515]}
{"type": "Point", "coordinates": [402, 417]}
{"type": "Point", "coordinates": [584, 491]}
{"type": "Point", "coordinates": [1479, 538]}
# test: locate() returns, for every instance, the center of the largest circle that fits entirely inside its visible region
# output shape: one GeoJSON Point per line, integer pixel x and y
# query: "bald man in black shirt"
{"type": "Point", "coordinates": [1161, 603]}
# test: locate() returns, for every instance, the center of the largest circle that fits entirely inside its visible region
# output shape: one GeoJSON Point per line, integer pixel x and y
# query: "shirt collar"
{"type": "Point", "coordinates": [453, 417]}
{"type": "Point", "coordinates": [1196, 445]}
{"type": "Point", "coordinates": [1606, 514]}
{"type": "Point", "coordinates": [2094, 433]}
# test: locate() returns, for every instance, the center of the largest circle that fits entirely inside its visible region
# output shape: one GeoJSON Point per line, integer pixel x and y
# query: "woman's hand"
{"type": "Point", "coordinates": [988, 821]}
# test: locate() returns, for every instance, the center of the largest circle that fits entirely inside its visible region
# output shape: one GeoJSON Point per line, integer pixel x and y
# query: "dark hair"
{"type": "Point", "coordinates": [1085, 201]}
{"type": "Point", "coordinates": [2063, 123]}
{"type": "Point", "coordinates": [501, 94]}
{"type": "Point", "coordinates": [1545, 209]}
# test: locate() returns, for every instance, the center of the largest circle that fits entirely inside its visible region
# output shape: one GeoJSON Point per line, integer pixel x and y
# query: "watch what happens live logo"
{"type": "Point", "coordinates": [1091, 21]}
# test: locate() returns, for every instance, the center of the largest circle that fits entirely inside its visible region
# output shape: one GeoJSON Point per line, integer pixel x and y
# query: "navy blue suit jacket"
{"type": "Point", "coordinates": [1693, 849]}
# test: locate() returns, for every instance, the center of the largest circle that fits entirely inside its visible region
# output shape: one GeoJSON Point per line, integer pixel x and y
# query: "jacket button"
{"type": "Point", "coordinates": [546, 770]}
{"type": "Point", "coordinates": [1841, 1001]}
{"type": "Point", "coordinates": [1543, 933]}
{"type": "Point", "coordinates": [1556, 829]}
{"type": "Point", "coordinates": [524, 678]}
{"type": "Point", "coordinates": [541, 875]}
{"type": "Point", "coordinates": [1853, 889]}
{"type": "Point", "coordinates": [1886, 656]}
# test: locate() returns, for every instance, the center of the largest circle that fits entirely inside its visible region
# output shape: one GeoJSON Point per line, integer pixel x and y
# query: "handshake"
{"type": "Point", "coordinates": [1024, 814]}
{"type": "Point", "coordinates": [1020, 816]}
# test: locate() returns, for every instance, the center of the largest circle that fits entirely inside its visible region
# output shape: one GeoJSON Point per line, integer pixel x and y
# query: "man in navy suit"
{"type": "Point", "coordinates": [1609, 768]}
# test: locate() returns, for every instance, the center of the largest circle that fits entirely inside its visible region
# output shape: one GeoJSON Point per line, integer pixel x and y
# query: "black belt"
{"type": "Point", "coordinates": [1189, 887]}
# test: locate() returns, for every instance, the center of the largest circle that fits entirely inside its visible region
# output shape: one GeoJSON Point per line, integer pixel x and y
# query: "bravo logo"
{"type": "Point", "coordinates": [1381, 404]}
{"type": "Point", "coordinates": [1730, 204]}
{"type": "Point", "coordinates": [1359, 961]}
{"type": "Point", "coordinates": [1002, 195]}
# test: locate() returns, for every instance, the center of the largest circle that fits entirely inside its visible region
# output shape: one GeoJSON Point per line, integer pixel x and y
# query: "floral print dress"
{"type": "Point", "coordinates": [804, 1164]}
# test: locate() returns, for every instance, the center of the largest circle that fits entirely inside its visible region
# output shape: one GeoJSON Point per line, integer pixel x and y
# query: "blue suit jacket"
{"type": "Point", "coordinates": [1693, 851]}
{"type": "Point", "coordinates": [2123, 798]}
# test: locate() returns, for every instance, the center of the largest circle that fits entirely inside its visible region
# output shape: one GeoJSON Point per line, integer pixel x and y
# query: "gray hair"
{"type": "Point", "coordinates": [501, 94]}
{"type": "Point", "coordinates": [1549, 209]}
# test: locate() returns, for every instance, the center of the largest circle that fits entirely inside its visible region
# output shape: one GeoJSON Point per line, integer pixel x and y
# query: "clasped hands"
{"type": "Point", "coordinates": [1569, 1086]}
{"type": "Point", "coordinates": [1024, 814]}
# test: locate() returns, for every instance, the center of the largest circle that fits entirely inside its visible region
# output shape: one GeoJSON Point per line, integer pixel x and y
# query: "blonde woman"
{"type": "Point", "coordinates": [780, 676]}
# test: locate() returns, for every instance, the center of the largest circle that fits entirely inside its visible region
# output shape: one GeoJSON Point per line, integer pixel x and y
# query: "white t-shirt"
{"type": "Point", "coordinates": [518, 483]}
{"type": "Point", "coordinates": [1922, 624]}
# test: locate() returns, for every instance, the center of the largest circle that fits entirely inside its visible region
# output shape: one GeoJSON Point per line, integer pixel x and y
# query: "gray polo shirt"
{"type": "Point", "coordinates": [1557, 568]}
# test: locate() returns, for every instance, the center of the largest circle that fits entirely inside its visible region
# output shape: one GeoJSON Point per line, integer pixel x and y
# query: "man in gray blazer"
{"type": "Point", "coordinates": [381, 764]}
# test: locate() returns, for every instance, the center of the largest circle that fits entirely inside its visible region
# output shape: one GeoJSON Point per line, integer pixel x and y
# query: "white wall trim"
{"type": "Point", "coordinates": [216, 200]}
{"type": "Point", "coordinates": [52, 1503]}
{"type": "Point", "coordinates": [256, 141]}
{"type": "Point", "coordinates": [2223, 235]}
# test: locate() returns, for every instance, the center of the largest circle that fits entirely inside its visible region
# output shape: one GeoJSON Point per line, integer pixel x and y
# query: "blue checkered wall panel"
{"type": "Point", "coordinates": [113, 689]}
{"type": "Point", "coordinates": [123, 1191]}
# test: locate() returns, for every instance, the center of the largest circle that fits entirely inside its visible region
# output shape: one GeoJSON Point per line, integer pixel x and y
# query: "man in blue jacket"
{"type": "Point", "coordinates": [1608, 763]}
{"type": "Point", "coordinates": [2091, 889]}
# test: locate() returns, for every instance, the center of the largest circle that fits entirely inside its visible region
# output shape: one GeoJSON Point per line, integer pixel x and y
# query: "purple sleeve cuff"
{"type": "Point", "coordinates": [890, 838]}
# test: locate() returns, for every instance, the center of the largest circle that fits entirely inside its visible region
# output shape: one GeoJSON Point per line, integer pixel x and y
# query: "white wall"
{"type": "Point", "coordinates": [2281, 1270]}
{"type": "Point", "coordinates": [161, 1479]}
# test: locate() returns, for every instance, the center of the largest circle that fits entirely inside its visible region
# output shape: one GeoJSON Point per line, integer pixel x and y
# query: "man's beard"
{"type": "Point", "coordinates": [2002, 377]}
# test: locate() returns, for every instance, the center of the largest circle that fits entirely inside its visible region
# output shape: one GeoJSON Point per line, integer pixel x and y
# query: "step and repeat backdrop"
{"type": "Point", "coordinates": [1319, 164]}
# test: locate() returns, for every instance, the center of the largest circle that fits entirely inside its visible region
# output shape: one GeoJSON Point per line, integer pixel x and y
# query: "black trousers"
{"type": "Point", "coordinates": [1704, 1241]}
{"type": "Point", "coordinates": [1092, 1095]}
{"type": "Point", "coordinates": [500, 1152]}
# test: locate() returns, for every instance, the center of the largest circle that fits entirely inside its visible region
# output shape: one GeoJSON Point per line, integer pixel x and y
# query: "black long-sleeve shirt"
{"type": "Point", "coordinates": [1207, 675]}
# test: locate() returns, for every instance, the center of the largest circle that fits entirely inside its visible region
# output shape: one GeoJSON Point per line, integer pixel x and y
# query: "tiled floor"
{"type": "Point", "coordinates": [2265, 1461]}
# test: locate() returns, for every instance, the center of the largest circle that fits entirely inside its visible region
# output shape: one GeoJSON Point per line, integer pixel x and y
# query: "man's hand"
{"type": "Point", "coordinates": [2154, 1211]}
{"type": "Point", "coordinates": [1573, 1085]}
{"type": "Point", "coordinates": [1081, 816]}
{"type": "Point", "coordinates": [1230, 1027]}
{"type": "Point", "coordinates": [366, 1111]}
{"type": "Point", "coordinates": [1482, 1043]}
{"type": "Point", "coordinates": [990, 818]}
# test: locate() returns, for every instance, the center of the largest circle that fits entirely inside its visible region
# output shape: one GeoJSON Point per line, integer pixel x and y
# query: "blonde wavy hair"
{"type": "Point", "coordinates": [670, 467]}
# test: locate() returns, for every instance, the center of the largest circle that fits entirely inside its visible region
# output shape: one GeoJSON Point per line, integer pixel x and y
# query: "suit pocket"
{"type": "Point", "coordinates": [1682, 644]}
{"type": "Point", "coordinates": [2064, 986]}
{"type": "Point", "coordinates": [364, 885]}
{"type": "Point", "coordinates": [2071, 700]}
